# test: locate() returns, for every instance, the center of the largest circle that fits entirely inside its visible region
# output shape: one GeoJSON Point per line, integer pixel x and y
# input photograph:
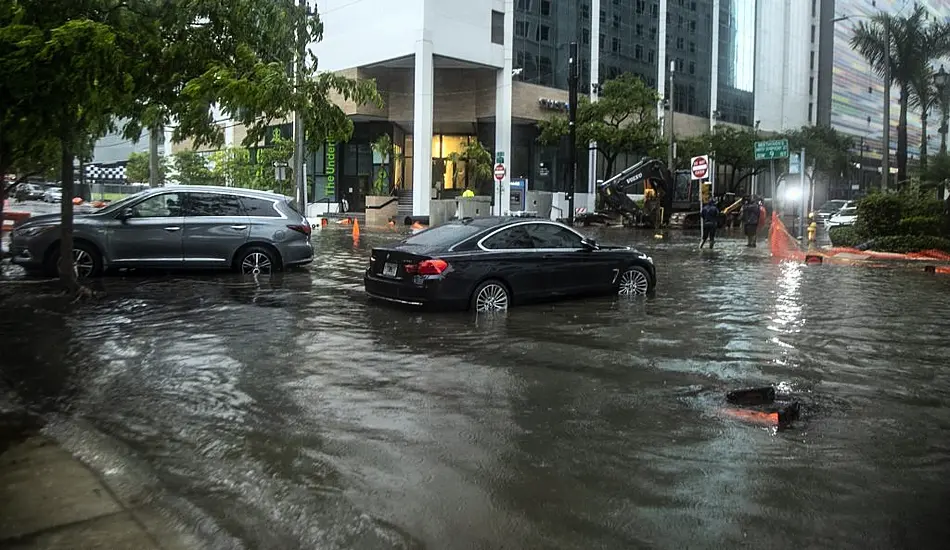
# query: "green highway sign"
{"type": "Point", "coordinates": [768, 150]}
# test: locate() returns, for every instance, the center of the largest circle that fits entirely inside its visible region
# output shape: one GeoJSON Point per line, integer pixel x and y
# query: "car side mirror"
{"type": "Point", "coordinates": [126, 213]}
{"type": "Point", "coordinates": [589, 244]}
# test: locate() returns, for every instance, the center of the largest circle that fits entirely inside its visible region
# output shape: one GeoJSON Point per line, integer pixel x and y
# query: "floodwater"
{"type": "Point", "coordinates": [293, 413]}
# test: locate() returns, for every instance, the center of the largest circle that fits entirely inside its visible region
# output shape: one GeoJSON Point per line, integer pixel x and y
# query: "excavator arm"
{"type": "Point", "coordinates": [657, 190]}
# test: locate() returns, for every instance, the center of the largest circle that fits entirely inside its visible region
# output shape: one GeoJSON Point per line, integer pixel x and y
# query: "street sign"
{"type": "Point", "coordinates": [280, 171]}
{"type": "Point", "coordinates": [499, 157]}
{"type": "Point", "coordinates": [500, 171]}
{"type": "Point", "coordinates": [794, 164]}
{"type": "Point", "coordinates": [699, 166]}
{"type": "Point", "coordinates": [769, 150]}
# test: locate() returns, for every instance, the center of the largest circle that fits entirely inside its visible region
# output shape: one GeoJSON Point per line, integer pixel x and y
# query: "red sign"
{"type": "Point", "coordinates": [500, 172]}
{"type": "Point", "coordinates": [699, 167]}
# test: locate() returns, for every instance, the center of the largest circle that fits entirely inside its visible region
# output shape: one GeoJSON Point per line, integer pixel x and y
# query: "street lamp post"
{"type": "Point", "coordinates": [941, 80]}
{"type": "Point", "coordinates": [886, 156]}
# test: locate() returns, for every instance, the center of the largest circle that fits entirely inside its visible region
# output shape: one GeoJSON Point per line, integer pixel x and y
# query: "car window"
{"type": "Point", "coordinates": [546, 235]}
{"type": "Point", "coordinates": [443, 235]}
{"type": "Point", "coordinates": [508, 239]}
{"type": "Point", "coordinates": [213, 204]}
{"type": "Point", "coordinates": [160, 206]}
{"type": "Point", "coordinates": [848, 212]}
{"type": "Point", "coordinates": [259, 207]}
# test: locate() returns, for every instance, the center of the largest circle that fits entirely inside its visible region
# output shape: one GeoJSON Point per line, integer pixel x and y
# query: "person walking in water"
{"type": "Point", "coordinates": [750, 220]}
{"type": "Point", "coordinates": [710, 221]}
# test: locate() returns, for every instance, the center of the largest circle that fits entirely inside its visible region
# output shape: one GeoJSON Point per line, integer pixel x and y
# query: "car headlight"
{"type": "Point", "coordinates": [33, 230]}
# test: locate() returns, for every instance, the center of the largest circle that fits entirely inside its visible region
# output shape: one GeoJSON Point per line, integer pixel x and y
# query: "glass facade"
{"type": "Point", "coordinates": [629, 43]}
{"type": "Point", "coordinates": [858, 92]}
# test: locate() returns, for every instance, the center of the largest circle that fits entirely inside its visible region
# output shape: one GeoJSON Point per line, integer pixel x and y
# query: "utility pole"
{"type": "Point", "coordinates": [572, 124]}
{"type": "Point", "coordinates": [669, 153]}
{"type": "Point", "coordinates": [299, 132]}
{"type": "Point", "coordinates": [886, 158]}
{"type": "Point", "coordinates": [154, 135]}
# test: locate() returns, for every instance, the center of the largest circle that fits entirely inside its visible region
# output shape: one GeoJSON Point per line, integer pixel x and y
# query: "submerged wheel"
{"type": "Point", "coordinates": [490, 296]}
{"type": "Point", "coordinates": [635, 281]}
{"type": "Point", "coordinates": [256, 260]}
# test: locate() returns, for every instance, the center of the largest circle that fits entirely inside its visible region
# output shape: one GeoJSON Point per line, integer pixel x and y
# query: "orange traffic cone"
{"type": "Point", "coordinates": [356, 230]}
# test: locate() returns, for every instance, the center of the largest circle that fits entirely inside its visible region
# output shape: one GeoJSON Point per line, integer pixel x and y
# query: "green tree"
{"type": "Point", "coordinates": [479, 165]}
{"type": "Point", "coordinates": [623, 120]}
{"type": "Point", "coordinates": [136, 168]}
{"type": "Point", "coordinates": [827, 150]}
{"type": "Point", "coordinates": [383, 146]}
{"type": "Point", "coordinates": [915, 41]}
{"type": "Point", "coordinates": [191, 168]}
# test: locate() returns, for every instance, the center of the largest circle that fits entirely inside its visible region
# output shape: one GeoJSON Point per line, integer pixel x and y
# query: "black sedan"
{"type": "Point", "coordinates": [488, 264]}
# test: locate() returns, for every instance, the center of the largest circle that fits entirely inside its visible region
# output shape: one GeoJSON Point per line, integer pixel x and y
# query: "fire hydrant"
{"type": "Point", "coordinates": [812, 232]}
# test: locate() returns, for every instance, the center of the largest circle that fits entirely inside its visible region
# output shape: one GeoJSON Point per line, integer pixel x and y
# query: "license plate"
{"type": "Point", "coordinates": [389, 270]}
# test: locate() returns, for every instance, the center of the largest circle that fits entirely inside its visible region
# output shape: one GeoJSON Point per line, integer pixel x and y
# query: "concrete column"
{"type": "Point", "coordinates": [422, 127]}
{"type": "Point", "coordinates": [594, 79]}
{"type": "Point", "coordinates": [503, 113]}
{"type": "Point", "coordinates": [661, 63]}
{"type": "Point", "coordinates": [714, 76]}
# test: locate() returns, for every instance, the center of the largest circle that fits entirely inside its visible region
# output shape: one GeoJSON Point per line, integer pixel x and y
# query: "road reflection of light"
{"type": "Point", "coordinates": [787, 313]}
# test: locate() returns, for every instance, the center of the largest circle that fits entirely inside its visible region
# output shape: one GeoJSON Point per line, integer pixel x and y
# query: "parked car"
{"type": "Point", "coordinates": [174, 227]}
{"type": "Point", "coordinates": [53, 194]}
{"type": "Point", "coordinates": [28, 192]}
{"type": "Point", "coordinates": [846, 216]}
{"type": "Point", "coordinates": [490, 263]}
{"type": "Point", "coordinates": [830, 208]}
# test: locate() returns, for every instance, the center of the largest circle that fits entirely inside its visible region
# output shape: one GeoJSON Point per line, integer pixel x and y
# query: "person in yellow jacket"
{"type": "Point", "coordinates": [468, 192]}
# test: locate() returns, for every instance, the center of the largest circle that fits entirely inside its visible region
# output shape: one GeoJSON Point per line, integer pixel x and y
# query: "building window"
{"type": "Point", "coordinates": [814, 8]}
{"type": "Point", "coordinates": [585, 36]}
{"type": "Point", "coordinates": [811, 108]}
{"type": "Point", "coordinates": [544, 33]}
{"type": "Point", "coordinates": [680, 64]}
{"type": "Point", "coordinates": [651, 55]}
{"type": "Point", "coordinates": [692, 47]}
{"type": "Point", "coordinates": [638, 52]}
{"type": "Point", "coordinates": [639, 29]}
{"type": "Point", "coordinates": [546, 68]}
{"type": "Point", "coordinates": [585, 11]}
{"type": "Point", "coordinates": [812, 34]}
{"type": "Point", "coordinates": [692, 6]}
{"type": "Point", "coordinates": [546, 8]}
{"type": "Point", "coordinates": [680, 43]}
{"type": "Point", "coordinates": [524, 5]}
{"type": "Point", "coordinates": [813, 61]}
{"type": "Point", "coordinates": [680, 22]}
{"type": "Point", "coordinates": [521, 28]}
{"type": "Point", "coordinates": [653, 33]}
{"type": "Point", "coordinates": [603, 41]}
{"type": "Point", "coordinates": [641, 6]}
{"type": "Point", "coordinates": [603, 17]}
{"type": "Point", "coordinates": [692, 67]}
{"type": "Point", "coordinates": [811, 86]}
{"type": "Point", "coordinates": [615, 44]}
{"type": "Point", "coordinates": [655, 10]}
{"type": "Point", "coordinates": [616, 21]}
{"type": "Point", "coordinates": [692, 26]}
{"type": "Point", "coordinates": [497, 27]}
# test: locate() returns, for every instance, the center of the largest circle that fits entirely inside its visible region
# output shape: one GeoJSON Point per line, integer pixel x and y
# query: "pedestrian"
{"type": "Point", "coordinates": [468, 192]}
{"type": "Point", "coordinates": [710, 220]}
{"type": "Point", "coordinates": [750, 219]}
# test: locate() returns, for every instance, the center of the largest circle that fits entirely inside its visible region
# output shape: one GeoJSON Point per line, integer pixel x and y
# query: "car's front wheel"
{"type": "Point", "coordinates": [256, 260]}
{"type": "Point", "coordinates": [87, 261]}
{"type": "Point", "coordinates": [491, 296]}
{"type": "Point", "coordinates": [634, 281]}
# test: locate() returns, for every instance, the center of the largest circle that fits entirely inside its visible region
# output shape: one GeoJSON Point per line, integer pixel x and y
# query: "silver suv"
{"type": "Point", "coordinates": [174, 227]}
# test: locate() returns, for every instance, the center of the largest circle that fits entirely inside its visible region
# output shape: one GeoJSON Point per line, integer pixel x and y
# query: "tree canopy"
{"type": "Point", "coordinates": [623, 120]}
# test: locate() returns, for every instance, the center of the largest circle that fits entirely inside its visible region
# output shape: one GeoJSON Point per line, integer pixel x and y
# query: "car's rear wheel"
{"type": "Point", "coordinates": [491, 296]}
{"type": "Point", "coordinates": [635, 281]}
{"type": "Point", "coordinates": [256, 260]}
{"type": "Point", "coordinates": [87, 262]}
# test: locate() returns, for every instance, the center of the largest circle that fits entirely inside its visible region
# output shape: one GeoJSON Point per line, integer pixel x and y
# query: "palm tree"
{"type": "Point", "coordinates": [924, 98]}
{"type": "Point", "coordinates": [915, 41]}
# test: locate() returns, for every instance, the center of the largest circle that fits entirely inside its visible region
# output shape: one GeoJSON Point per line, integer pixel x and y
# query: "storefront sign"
{"type": "Point", "coordinates": [553, 104]}
{"type": "Point", "coordinates": [331, 169]}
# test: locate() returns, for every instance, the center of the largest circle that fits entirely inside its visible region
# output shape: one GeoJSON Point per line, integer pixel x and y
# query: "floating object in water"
{"type": "Point", "coordinates": [813, 259]}
{"type": "Point", "coordinates": [658, 236]}
{"type": "Point", "coordinates": [752, 396]}
{"type": "Point", "coordinates": [356, 230]}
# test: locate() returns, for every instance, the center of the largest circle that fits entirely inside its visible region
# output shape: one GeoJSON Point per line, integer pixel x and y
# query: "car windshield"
{"type": "Point", "coordinates": [443, 235]}
{"type": "Point", "coordinates": [848, 212]}
{"type": "Point", "coordinates": [122, 202]}
{"type": "Point", "coordinates": [831, 206]}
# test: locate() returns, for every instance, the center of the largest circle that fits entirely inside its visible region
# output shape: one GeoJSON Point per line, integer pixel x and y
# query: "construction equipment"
{"type": "Point", "coordinates": [657, 184]}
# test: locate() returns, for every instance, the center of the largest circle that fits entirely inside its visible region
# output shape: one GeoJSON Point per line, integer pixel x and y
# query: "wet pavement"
{"type": "Point", "coordinates": [293, 413]}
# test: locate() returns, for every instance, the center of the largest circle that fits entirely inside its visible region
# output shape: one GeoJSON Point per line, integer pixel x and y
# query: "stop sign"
{"type": "Point", "coordinates": [699, 167]}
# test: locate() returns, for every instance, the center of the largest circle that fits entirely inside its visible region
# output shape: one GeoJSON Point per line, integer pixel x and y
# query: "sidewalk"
{"type": "Point", "coordinates": [51, 500]}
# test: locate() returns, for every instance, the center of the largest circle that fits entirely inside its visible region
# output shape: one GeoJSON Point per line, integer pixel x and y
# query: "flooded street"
{"type": "Point", "coordinates": [295, 413]}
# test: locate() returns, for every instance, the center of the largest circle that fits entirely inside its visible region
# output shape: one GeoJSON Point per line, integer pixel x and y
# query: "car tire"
{"type": "Point", "coordinates": [86, 260]}
{"type": "Point", "coordinates": [256, 260]}
{"type": "Point", "coordinates": [490, 295]}
{"type": "Point", "coordinates": [634, 281]}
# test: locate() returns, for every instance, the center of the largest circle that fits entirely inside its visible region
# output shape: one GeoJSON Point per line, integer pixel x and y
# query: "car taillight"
{"type": "Point", "coordinates": [431, 267]}
{"type": "Point", "coordinates": [302, 228]}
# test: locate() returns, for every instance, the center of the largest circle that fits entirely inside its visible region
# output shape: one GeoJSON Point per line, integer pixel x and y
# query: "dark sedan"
{"type": "Point", "coordinates": [488, 264]}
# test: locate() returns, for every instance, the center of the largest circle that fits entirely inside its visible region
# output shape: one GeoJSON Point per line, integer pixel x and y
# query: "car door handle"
{"type": "Point", "coordinates": [547, 256]}
{"type": "Point", "coordinates": [239, 227]}
{"type": "Point", "coordinates": [171, 229]}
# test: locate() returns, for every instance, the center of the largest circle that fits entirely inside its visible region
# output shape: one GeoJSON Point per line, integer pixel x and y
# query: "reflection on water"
{"type": "Point", "coordinates": [293, 413]}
